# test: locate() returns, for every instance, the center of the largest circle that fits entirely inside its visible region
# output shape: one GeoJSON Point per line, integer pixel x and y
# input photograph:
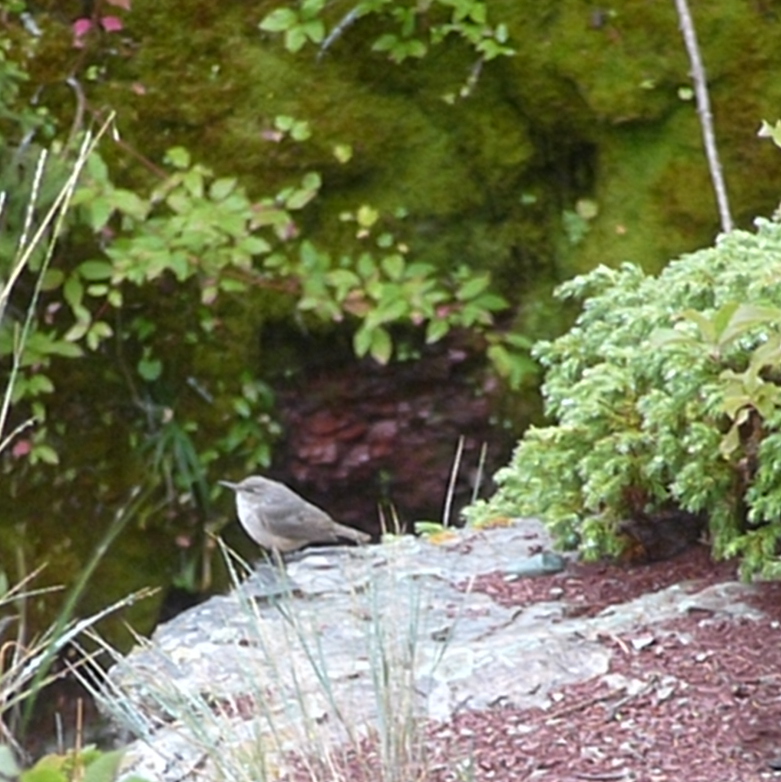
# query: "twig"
{"type": "Point", "coordinates": [347, 20]}
{"type": "Point", "coordinates": [583, 704]}
{"type": "Point", "coordinates": [452, 484]}
{"type": "Point", "coordinates": [479, 476]}
{"type": "Point", "coordinates": [704, 110]}
{"type": "Point", "coordinates": [614, 709]}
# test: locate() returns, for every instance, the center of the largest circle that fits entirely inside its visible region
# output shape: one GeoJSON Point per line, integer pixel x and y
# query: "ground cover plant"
{"type": "Point", "coordinates": [665, 396]}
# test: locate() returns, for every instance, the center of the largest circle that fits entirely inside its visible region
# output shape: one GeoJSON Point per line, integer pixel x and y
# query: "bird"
{"type": "Point", "coordinates": [276, 518]}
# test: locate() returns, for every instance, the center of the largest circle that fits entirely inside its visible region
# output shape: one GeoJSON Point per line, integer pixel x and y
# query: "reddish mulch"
{"type": "Point", "coordinates": [706, 706]}
{"type": "Point", "coordinates": [589, 588]}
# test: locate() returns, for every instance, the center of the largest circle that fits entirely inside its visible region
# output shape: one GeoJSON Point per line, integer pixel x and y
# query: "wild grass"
{"type": "Point", "coordinates": [26, 657]}
{"type": "Point", "coordinates": [274, 702]}
{"type": "Point", "coordinates": [24, 663]}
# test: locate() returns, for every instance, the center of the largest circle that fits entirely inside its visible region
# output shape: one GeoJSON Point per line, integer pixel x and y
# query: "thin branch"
{"type": "Point", "coordinates": [704, 110]}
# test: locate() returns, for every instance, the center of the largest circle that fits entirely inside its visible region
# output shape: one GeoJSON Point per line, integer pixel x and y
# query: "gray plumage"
{"type": "Point", "coordinates": [278, 519]}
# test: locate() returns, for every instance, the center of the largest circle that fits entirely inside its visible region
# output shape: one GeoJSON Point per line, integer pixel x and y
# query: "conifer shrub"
{"type": "Point", "coordinates": [665, 396]}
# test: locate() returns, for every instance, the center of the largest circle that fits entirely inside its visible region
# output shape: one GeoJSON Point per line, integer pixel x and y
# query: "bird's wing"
{"type": "Point", "coordinates": [308, 524]}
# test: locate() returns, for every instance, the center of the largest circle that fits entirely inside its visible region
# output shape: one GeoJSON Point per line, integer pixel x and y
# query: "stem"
{"type": "Point", "coordinates": [704, 110]}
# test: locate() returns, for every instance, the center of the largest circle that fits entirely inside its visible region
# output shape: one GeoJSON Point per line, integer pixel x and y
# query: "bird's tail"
{"type": "Point", "coordinates": [352, 534]}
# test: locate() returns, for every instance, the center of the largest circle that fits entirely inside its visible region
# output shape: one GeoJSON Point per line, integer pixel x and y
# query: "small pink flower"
{"type": "Point", "coordinates": [111, 24]}
{"type": "Point", "coordinates": [80, 29]}
{"type": "Point", "coordinates": [21, 448]}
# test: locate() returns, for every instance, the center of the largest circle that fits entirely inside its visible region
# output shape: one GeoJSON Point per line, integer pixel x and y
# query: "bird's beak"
{"type": "Point", "coordinates": [230, 485]}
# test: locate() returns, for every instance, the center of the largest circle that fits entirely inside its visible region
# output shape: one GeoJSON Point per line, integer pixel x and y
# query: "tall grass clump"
{"type": "Point", "coordinates": [26, 656]}
{"type": "Point", "coordinates": [24, 663]}
{"type": "Point", "coordinates": [262, 698]}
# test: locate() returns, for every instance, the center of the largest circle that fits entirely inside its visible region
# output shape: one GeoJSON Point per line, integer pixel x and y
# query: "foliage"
{"type": "Point", "coordinates": [414, 27]}
{"type": "Point", "coordinates": [666, 393]}
{"type": "Point", "coordinates": [86, 765]}
{"type": "Point", "coordinates": [195, 227]}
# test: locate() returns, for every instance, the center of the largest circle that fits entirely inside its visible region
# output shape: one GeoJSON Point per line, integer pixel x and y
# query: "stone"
{"type": "Point", "coordinates": [348, 638]}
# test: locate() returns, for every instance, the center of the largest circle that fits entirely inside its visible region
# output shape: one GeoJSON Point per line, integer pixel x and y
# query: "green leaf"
{"type": "Point", "coordinates": [97, 168]}
{"type": "Point", "coordinates": [343, 152]}
{"type": "Point", "coordinates": [278, 20]}
{"type": "Point", "coordinates": [473, 287]}
{"type": "Point", "coordinates": [299, 199]}
{"type": "Point", "coordinates": [79, 331]}
{"type": "Point", "coordinates": [301, 131]}
{"type": "Point", "coordinates": [100, 211]}
{"type": "Point", "coordinates": [295, 38]}
{"type": "Point", "coordinates": [771, 131]}
{"type": "Point", "coordinates": [436, 329]}
{"type": "Point", "coordinates": [254, 245]}
{"type": "Point", "coordinates": [39, 384]}
{"type": "Point", "coordinates": [52, 279]}
{"type": "Point", "coordinates": [344, 280]}
{"type": "Point", "coordinates": [366, 266]}
{"type": "Point", "coordinates": [47, 455]}
{"type": "Point", "coordinates": [416, 49]}
{"type": "Point", "coordinates": [390, 309]}
{"type": "Point", "coordinates": [99, 331]}
{"type": "Point", "coordinates": [179, 264]}
{"type": "Point", "coordinates": [393, 266]}
{"type": "Point", "coordinates": [706, 326]}
{"type": "Point", "coordinates": [105, 768]}
{"type": "Point", "coordinates": [178, 157]}
{"type": "Point", "coordinates": [312, 180]}
{"type": "Point", "coordinates": [745, 317]}
{"type": "Point", "coordinates": [193, 181]}
{"type": "Point", "coordinates": [315, 30]}
{"type": "Point", "coordinates": [664, 336]}
{"type": "Point", "coordinates": [491, 302]}
{"type": "Point", "coordinates": [73, 292]}
{"type": "Point", "coordinates": [478, 13]}
{"type": "Point", "coordinates": [96, 270]}
{"type": "Point", "coordinates": [385, 43]}
{"type": "Point", "coordinates": [149, 368]}
{"type": "Point", "coordinates": [65, 349]}
{"type": "Point", "coordinates": [98, 291]}
{"type": "Point", "coordinates": [284, 122]}
{"type": "Point", "coordinates": [222, 188]}
{"type": "Point", "coordinates": [311, 8]}
{"type": "Point", "coordinates": [130, 204]}
{"type": "Point", "coordinates": [362, 340]}
{"type": "Point", "coordinates": [381, 346]}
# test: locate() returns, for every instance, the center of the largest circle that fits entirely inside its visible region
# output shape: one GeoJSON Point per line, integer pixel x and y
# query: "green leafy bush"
{"type": "Point", "coordinates": [666, 394]}
{"type": "Point", "coordinates": [413, 27]}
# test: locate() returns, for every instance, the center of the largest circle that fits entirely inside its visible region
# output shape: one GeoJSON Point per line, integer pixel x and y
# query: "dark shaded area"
{"type": "Point", "coordinates": [357, 434]}
{"type": "Point", "coordinates": [659, 536]}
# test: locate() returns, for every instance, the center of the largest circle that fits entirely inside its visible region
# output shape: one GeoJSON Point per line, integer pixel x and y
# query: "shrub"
{"type": "Point", "coordinates": [665, 395]}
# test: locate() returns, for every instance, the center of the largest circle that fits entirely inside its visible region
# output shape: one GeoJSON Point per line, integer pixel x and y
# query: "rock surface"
{"type": "Point", "coordinates": [349, 636]}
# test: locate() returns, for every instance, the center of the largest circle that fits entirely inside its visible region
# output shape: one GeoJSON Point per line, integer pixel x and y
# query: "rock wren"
{"type": "Point", "coordinates": [278, 519]}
